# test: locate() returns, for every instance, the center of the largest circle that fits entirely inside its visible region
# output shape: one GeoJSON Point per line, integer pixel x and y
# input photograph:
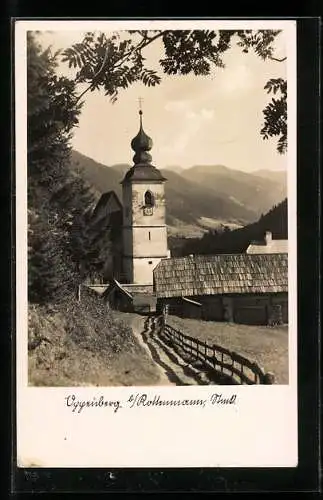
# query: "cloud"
{"type": "Point", "coordinates": [177, 106]}
{"type": "Point", "coordinates": [236, 79]}
{"type": "Point", "coordinates": [177, 141]}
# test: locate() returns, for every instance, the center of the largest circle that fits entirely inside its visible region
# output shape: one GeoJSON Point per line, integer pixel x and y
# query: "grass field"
{"type": "Point", "coordinates": [268, 346]}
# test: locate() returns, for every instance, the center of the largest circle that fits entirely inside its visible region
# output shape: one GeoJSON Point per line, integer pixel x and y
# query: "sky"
{"type": "Point", "coordinates": [192, 120]}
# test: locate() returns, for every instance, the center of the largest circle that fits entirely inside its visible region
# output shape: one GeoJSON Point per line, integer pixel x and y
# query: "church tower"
{"type": "Point", "coordinates": [144, 218]}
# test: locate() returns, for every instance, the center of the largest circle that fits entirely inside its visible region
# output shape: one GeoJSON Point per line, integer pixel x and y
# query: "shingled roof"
{"type": "Point", "coordinates": [221, 274]}
{"type": "Point", "coordinates": [106, 201]}
{"type": "Point", "coordinates": [275, 246]}
{"type": "Point", "coordinates": [143, 173]}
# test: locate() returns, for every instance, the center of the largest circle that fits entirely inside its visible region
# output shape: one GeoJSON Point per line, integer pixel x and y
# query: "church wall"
{"type": "Point", "coordinates": [143, 270]}
{"type": "Point", "coordinates": [138, 196]}
{"type": "Point", "coordinates": [150, 241]}
{"type": "Point", "coordinates": [127, 204]}
{"type": "Point", "coordinates": [145, 241]}
{"type": "Point", "coordinates": [144, 236]}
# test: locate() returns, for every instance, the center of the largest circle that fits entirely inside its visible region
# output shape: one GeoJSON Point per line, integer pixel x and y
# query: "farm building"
{"type": "Point", "coordinates": [103, 228]}
{"type": "Point", "coordinates": [242, 288]}
{"type": "Point", "coordinates": [130, 297]}
{"type": "Point", "coordinates": [268, 245]}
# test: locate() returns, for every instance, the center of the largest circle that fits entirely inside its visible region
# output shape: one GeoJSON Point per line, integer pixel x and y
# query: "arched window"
{"type": "Point", "coordinates": [149, 199]}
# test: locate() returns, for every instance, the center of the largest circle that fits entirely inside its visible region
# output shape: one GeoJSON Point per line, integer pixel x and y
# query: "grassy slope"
{"type": "Point", "coordinates": [267, 346]}
{"type": "Point", "coordinates": [82, 345]}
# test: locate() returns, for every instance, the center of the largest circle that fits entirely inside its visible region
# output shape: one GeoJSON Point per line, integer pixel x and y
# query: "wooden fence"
{"type": "Point", "coordinates": [215, 357]}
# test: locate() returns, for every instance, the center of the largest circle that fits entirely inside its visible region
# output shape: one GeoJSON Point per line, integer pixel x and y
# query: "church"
{"type": "Point", "coordinates": [249, 288]}
{"type": "Point", "coordinates": [144, 230]}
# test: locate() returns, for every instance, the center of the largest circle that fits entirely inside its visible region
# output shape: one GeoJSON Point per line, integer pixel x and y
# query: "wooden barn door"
{"type": "Point", "coordinates": [250, 310]}
{"type": "Point", "coordinates": [251, 315]}
{"type": "Point", "coordinates": [212, 308]}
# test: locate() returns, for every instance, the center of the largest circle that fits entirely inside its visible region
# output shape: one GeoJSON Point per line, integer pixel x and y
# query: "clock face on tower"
{"type": "Point", "coordinates": [148, 210]}
{"type": "Point", "coordinates": [149, 203]}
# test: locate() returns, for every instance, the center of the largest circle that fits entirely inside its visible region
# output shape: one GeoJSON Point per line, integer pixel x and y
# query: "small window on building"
{"type": "Point", "coordinates": [150, 262]}
{"type": "Point", "coordinates": [149, 199]}
{"type": "Point", "coordinates": [149, 236]}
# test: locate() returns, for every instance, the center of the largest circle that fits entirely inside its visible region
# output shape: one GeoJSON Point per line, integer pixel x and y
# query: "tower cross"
{"type": "Point", "coordinates": [140, 100]}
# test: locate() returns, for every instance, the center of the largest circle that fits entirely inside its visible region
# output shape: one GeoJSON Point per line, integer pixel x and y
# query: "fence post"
{"type": "Point", "coordinates": [269, 378]}
{"type": "Point", "coordinates": [164, 322]}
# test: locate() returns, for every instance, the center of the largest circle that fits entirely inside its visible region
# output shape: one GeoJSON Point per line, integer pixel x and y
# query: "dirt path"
{"type": "Point", "coordinates": [173, 369]}
{"type": "Point", "coordinates": [138, 327]}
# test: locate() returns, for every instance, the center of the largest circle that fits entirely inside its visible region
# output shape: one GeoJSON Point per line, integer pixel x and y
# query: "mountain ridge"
{"type": "Point", "coordinates": [254, 192]}
{"type": "Point", "coordinates": [195, 201]}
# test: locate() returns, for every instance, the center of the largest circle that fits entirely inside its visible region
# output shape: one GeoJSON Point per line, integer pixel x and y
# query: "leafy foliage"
{"type": "Point", "coordinates": [260, 41]}
{"type": "Point", "coordinates": [50, 270]}
{"type": "Point", "coordinates": [109, 63]}
{"type": "Point", "coordinates": [190, 51]}
{"type": "Point", "coordinates": [52, 113]}
{"type": "Point", "coordinates": [115, 63]}
{"type": "Point", "coordinates": [275, 113]}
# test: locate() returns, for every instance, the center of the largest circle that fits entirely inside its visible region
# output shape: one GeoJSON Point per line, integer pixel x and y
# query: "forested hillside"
{"type": "Point", "coordinates": [237, 241]}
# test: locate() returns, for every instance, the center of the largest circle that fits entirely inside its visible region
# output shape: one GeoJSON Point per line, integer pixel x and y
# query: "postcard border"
{"type": "Point", "coordinates": [222, 479]}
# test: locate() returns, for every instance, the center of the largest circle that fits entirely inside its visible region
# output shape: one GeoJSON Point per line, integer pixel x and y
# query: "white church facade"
{"type": "Point", "coordinates": [144, 214]}
{"type": "Point", "coordinates": [144, 231]}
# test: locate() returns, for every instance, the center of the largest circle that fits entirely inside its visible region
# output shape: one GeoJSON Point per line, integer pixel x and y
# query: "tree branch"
{"type": "Point", "coordinates": [95, 75]}
{"type": "Point", "coordinates": [276, 59]}
{"type": "Point", "coordinates": [141, 45]}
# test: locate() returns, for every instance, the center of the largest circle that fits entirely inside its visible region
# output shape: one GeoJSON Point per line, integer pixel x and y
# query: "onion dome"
{"type": "Point", "coordinates": [142, 170]}
{"type": "Point", "coordinates": [141, 144]}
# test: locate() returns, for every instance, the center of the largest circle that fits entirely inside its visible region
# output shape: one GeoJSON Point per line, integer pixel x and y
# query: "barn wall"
{"type": "Point", "coordinates": [260, 309]}
{"type": "Point", "coordinates": [245, 309]}
{"type": "Point", "coordinates": [190, 310]}
{"type": "Point", "coordinates": [251, 309]}
{"type": "Point", "coordinates": [212, 307]}
{"type": "Point", "coordinates": [282, 300]}
{"type": "Point", "coordinates": [178, 307]}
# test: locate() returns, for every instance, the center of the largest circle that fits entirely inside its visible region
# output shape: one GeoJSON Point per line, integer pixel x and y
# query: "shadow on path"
{"type": "Point", "coordinates": [213, 375]}
{"type": "Point", "coordinates": [190, 364]}
{"type": "Point", "coordinates": [171, 375]}
{"type": "Point", "coordinates": [185, 367]}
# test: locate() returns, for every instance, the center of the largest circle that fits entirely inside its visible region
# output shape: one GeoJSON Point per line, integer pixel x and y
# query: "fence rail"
{"type": "Point", "coordinates": [215, 357]}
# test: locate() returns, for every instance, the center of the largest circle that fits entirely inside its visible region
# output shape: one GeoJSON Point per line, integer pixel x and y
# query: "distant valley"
{"type": "Point", "coordinates": [198, 198]}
